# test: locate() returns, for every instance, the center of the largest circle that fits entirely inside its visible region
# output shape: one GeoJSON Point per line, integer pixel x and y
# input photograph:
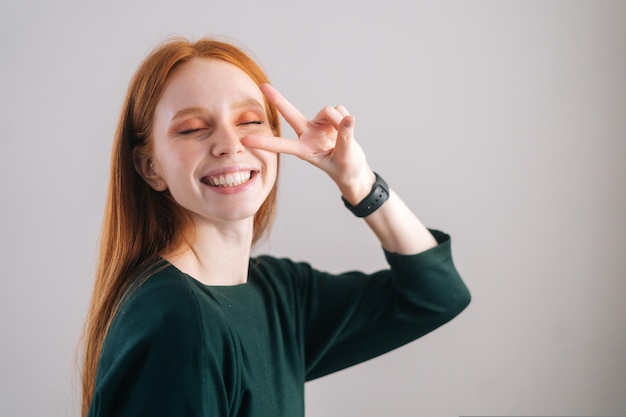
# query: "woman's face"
{"type": "Point", "coordinates": [207, 106]}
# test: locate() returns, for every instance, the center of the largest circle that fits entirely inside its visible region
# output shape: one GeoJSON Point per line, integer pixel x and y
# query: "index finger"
{"type": "Point", "coordinates": [272, 144]}
{"type": "Point", "coordinates": [291, 114]}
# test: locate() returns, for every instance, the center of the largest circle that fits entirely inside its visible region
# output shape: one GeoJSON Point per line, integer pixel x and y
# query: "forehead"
{"type": "Point", "coordinates": [207, 82]}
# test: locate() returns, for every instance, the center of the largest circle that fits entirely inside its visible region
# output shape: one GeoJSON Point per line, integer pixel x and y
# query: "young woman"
{"type": "Point", "coordinates": [182, 321]}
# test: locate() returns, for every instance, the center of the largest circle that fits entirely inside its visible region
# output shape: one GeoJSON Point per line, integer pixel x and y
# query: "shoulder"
{"type": "Point", "coordinates": [281, 271]}
{"type": "Point", "coordinates": [164, 306]}
{"type": "Point", "coordinates": [289, 281]}
{"type": "Point", "coordinates": [165, 313]}
{"type": "Point", "coordinates": [164, 294]}
{"type": "Point", "coordinates": [273, 265]}
{"type": "Point", "coordinates": [165, 347]}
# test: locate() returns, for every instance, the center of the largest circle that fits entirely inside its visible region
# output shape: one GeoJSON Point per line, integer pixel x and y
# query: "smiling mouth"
{"type": "Point", "coordinates": [232, 179]}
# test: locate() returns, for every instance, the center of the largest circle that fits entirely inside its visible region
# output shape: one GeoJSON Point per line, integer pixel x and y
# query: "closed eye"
{"type": "Point", "coordinates": [189, 131]}
{"type": "Point", "coordinates": [252, 122]}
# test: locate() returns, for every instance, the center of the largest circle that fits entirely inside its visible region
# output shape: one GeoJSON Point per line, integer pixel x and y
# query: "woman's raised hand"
{"type": "Point", "coordinates": [326, 141]}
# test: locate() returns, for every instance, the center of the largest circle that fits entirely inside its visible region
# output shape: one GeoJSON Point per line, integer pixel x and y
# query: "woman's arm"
{"type": "Point", "coordinates": [327, 141]}
{"type": "Point", "coordinates": [397, 228]}
{"type": "Point", "coordinates": [345, 319]}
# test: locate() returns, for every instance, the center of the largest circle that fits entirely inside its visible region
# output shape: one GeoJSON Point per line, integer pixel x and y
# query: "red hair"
{"type": "Point", "coordinates": [140, 223]}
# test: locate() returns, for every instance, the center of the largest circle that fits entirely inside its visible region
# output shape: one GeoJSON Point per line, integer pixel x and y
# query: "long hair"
{"type": "Point", "coordinates": [139, 222]}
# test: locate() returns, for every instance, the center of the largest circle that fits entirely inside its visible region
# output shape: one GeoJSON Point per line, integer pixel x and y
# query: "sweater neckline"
{"type": "Point", "coordinates": [210, 286]}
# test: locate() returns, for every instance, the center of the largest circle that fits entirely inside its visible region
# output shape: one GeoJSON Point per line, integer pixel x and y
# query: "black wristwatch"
{"type": "Point", "coordinates": [371, 203]}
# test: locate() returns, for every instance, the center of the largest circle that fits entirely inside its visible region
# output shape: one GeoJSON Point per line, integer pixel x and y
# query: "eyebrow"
{"type": "Point", "coordinates": [247, 103]}
{"type": "Point", "coordinates": [187, 111]}
{"type": "Point", "coordinates": [236, 106]}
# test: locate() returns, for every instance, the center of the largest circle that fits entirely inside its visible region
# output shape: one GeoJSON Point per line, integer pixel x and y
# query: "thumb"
{"type": "Point", "coordinates": [345, 132]}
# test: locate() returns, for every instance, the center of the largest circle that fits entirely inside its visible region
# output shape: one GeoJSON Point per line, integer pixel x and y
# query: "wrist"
{"type": "Point", "coordinates": [377, 196]}
{"type": "Point", "coordinates": [357, 189]}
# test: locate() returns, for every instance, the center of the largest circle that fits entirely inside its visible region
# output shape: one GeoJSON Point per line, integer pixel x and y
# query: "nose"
{"type": "Point", "coordinates": [227, 142]}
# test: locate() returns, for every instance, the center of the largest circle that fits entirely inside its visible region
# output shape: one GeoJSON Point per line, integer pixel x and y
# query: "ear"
{"type": "Point", "coordinates": [148, 171]}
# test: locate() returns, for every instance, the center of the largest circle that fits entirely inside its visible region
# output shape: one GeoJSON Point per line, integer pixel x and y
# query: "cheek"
{"type": "Point", "coordinates": [175, 161]}
{"type": "Point", "coordinates": [180, 152]}
{"type": "Point", "coordinates": [270, 160]}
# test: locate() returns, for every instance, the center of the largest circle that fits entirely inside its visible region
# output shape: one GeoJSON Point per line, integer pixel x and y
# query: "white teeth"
{"type": "Point", "coordinates": [229, 180]}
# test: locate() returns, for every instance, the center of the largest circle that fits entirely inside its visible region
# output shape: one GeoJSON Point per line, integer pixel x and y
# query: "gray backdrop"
{"type": "Point", "coordinates": [503, 123]}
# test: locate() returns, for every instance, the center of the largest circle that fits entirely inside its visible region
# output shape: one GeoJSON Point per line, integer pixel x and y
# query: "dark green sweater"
{"type": "Point", "coordinates": [178, 347]}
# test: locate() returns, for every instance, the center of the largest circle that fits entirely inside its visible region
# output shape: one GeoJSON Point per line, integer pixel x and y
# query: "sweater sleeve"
{"type": "Point", "coordinates": [158, 361]}
{"type": "Point", "coordinates": [353, 317]}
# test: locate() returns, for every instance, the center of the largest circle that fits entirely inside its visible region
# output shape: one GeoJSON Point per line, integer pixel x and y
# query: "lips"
{"type": "Point", "coordinates": [230, 179]}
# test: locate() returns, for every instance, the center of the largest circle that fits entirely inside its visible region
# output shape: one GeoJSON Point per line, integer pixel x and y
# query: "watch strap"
{"type": "Point", "coordinates": [373, 201]}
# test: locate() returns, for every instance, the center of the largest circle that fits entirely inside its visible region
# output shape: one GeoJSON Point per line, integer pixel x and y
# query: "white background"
{"type": "Point", "coordinates": [502, 123]}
